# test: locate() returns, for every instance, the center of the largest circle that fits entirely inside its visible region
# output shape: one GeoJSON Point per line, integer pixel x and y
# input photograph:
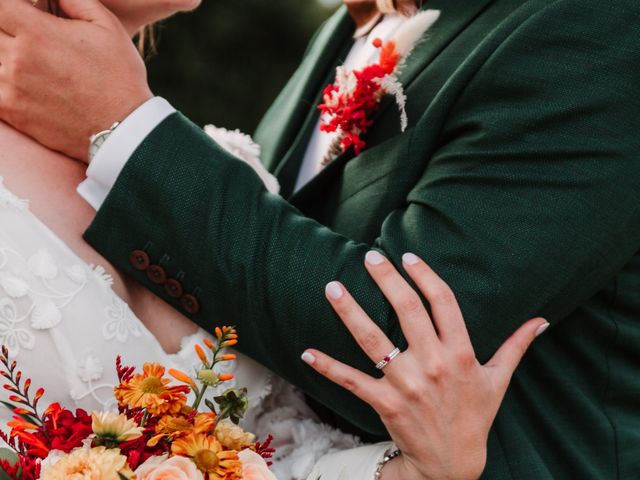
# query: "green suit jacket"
{"type": "Point", "coordinates": [518, 180]}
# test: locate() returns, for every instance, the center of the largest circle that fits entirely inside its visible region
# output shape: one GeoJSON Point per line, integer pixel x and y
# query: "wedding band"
{"type": "Point", "coordinates": [387, 360]}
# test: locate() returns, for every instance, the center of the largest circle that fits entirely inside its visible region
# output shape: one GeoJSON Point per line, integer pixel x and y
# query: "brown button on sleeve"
{"type": "Point", "coordinates": [139, 259]}
{"type": "Point", "coordinates": [190, 304]}
{"type": "Point", "coordinates": [173, 288]}
{"type": "Point", "coordinates": [156, 274]}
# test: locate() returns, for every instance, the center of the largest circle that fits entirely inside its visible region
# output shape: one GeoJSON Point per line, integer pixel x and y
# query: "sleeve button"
{"type": "Point", "coordinates": [156, 274]}
{"type": "Point", "coordinates": [139, 259]}
{"type": "Point", "coordinates": [190, 304]}
{"type": "Point", "coordinates": [173, 288]}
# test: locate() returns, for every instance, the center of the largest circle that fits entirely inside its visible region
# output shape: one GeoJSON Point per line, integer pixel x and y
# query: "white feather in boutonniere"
{"type": "Point", "coordinates": [354, 97]}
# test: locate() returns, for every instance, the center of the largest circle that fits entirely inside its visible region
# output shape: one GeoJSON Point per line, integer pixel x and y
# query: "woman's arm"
{"type": "Point", "coordinates": [436, 400]}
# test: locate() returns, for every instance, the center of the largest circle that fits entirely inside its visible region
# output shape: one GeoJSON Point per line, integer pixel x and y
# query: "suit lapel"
{"type": "Point", "coordinates": [455, 15]}
{"type": "Point", "coordinates": [281, 126]}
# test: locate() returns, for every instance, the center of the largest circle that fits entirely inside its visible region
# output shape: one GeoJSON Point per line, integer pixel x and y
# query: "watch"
{"type": "Point", "coordinates": [97, 140]}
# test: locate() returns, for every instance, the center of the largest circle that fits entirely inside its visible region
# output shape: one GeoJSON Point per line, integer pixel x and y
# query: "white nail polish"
{"type": "Point", "coordinates": [334, 290]}
{"type": "Point", "coordinates": [410, 259]}
{"type": "Point", "coordinates": [541, 329]}
{"type": "Point", "coordinates": [374, 258]}
{"type": "Point", "coordinates": [309, 358]}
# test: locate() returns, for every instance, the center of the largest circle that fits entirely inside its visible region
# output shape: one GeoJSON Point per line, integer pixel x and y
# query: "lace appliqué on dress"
{"type": "Point", "coordinates": [121, 322]}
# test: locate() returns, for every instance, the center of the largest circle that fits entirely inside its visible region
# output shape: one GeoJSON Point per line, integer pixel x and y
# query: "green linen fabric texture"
{"type": "Point", "coordinates": [518, 181]}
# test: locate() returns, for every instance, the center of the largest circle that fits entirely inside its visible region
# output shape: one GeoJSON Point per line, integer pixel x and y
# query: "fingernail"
{"type": "Point", "coordinates": [542, 328]}
{"type": "Point", "coordinates": [309, 358]}
{"type": "Point", "coordinates": [334, 290]}
{"type": "Point", "coordinates": [374, 258]}
{"type": "Point", "coordinates": [410, 259]}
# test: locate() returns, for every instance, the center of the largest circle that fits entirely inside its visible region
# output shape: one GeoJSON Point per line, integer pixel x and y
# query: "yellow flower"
{"type": "Point", "coordinates": [111, 427]}
{"type": "Point", "coordinates": [233, 437]}
{"type": "Point", "coordinates": [208, 377]}
{"type": "Point", "coordinates": [150, 390]}
{"type": "Point", "coordinates": [97, 463]}
{"type": "Point", "coordinates": [171, 427]}
{"type": "Point", "coordinates": [209, 456]}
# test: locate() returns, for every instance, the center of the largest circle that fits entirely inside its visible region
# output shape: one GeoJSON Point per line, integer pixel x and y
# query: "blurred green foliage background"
{"type": "Point", "coordinates": [225, 63]}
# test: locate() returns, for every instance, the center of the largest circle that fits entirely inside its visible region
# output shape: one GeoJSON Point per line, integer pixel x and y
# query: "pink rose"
{"type": "Point", "coordinates": [174, 468]}
{"type": "Point", "coordinates": [254, 466]}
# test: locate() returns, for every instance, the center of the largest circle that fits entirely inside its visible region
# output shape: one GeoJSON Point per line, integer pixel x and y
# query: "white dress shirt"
{"type": "Point", "coordinates": [129, 135]}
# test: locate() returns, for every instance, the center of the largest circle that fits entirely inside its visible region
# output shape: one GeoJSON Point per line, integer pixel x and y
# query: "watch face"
{"type": "Point", "coordinates": [96, 142]}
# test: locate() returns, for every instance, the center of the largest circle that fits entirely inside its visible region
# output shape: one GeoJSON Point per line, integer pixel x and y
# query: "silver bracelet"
{"type": "Point", "coordinates": [388, 456]}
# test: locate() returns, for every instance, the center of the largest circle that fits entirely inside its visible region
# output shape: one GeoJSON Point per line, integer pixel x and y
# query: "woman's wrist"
{"type": "Point", "coordinates": [389, 469]}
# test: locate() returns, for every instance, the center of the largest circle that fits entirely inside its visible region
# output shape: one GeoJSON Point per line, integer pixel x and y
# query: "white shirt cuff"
{"type": "Point", "coordinates": [119, 147]}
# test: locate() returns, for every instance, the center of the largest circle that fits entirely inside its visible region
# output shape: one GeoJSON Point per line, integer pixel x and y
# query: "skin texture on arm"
{"type": "Point", "coordinates": [521, 208]}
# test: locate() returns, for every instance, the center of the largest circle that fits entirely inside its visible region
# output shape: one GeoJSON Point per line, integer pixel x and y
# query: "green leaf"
{"type": "Point", "coordinates": [10, 456]}
{"type": "Point", "coordinates": [27, 418]}
{"type": "Point", "coordinates": [211, 406]}
{"type": "Point", "coordinates": [4, 475]}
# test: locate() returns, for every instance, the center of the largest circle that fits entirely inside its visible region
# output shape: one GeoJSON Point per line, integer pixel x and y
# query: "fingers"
{"type": "Point", "coordinates": [87, 10]}
{"type": "Point", "coordinates": [369, 336]}
{"type": "Point", "coordinates": [508, 357]}
{"type": "Point", "coordinates": [5, 42]}
{"type": "Point", "coordinates": [361, 385]}
{"type": "Point", "coordinates": [414, 319]}
{"type": "Point", "coordinates": [445, 310]}
{"type": "Point", "coordinates": [15, 14]}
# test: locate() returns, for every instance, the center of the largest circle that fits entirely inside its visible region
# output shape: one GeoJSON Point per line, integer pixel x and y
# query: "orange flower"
{"type": "Point", "coordinates": [201, 355]}
{"type": "Point", "coordinates": [182, 377]}
{"type": "Point", "coordinates": [209, 343]}
{"type": "Point", "coordinates": [225, 377]}
{"type": "Point", "coordinates": [171, 427]}
{"type": "Point", "coordinates": [228, 357]}
{"type": "Point", "coordinates": [20, 428]}
{"type": "Point", "coordinates": [150, 390]}
{"type": "Point", "coordinates": [209, 456]}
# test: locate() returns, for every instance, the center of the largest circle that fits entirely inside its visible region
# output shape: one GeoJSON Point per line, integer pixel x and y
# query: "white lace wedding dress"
{"type": "Point", "coordinates": [61, 320]}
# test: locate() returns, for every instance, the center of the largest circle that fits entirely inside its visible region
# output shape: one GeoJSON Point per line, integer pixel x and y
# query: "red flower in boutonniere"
{"type": "Point", "coordinates": [352, 100]}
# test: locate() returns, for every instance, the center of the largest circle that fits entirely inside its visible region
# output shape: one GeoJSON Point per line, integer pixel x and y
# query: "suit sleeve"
{"type": "Point", "coordinates": [529, 205]}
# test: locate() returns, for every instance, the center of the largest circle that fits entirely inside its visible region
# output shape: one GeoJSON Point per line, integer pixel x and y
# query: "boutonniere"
{"type": "Point", "coordinates": [350, 103]}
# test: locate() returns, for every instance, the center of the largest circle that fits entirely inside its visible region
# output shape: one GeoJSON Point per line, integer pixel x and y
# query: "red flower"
{"type": "Point", "coordinates": [11, 469]}
{"type": "Point", "coordinates": [29, 468]}
{"type": "Point", "coordinates": [265, 450]}
{"type": "Point", "coordinates": [64, 430]}
{"type": "Point", "coordinates": [349, 108]}
{"type": "Point", "coordinates": [137, 451]}
{"type": "Point", "coordinates": [24, 469]}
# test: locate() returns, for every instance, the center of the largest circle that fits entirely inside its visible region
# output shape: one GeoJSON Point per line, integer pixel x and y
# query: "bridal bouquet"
{"type": "Point", "coordinates": [155, 435]}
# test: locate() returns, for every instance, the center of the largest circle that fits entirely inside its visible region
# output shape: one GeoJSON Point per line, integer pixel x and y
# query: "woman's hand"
{"type": "Point", "coordinates": [436, 400]}
{"type": "Point", "coordinates": [65, 79]}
